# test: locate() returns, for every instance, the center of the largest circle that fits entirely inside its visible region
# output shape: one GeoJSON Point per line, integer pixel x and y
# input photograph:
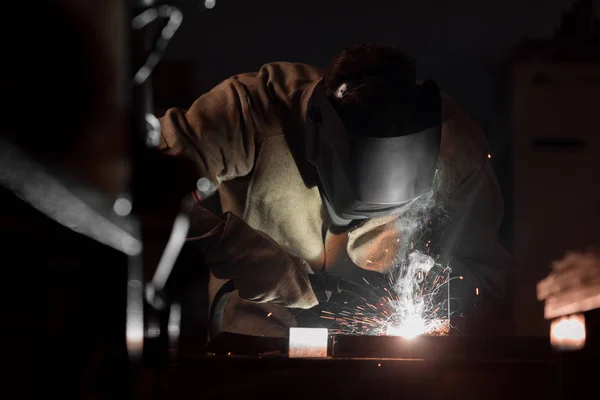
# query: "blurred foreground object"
{"type": "Point", "coordinates": [65, 158]}
{"type": "Point", "coordinates": [87, 208]}
{"type": "Point", "coordinates": [573, 286]}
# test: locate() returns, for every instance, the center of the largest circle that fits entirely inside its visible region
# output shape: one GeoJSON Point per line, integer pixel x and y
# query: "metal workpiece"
{"type": "Point", "coordinates": [381, 367]}
{"type": "Point", "coordinates": [443, 348]}
{"type": "Point", "coordinates": [308, 343]}
{"type": "Point", "coordinates": [431, 348]}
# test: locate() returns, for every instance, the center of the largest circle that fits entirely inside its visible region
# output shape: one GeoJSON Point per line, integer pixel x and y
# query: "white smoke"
{"type": "Point", "coordinates": [413, 306]}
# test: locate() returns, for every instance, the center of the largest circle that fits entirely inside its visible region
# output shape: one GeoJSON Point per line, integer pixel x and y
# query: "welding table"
{"type": "Point", "coordinates": [382, 368]}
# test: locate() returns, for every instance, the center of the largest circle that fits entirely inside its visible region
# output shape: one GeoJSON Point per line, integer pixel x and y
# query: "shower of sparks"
{"type": "Point", "coordinates": [416, 305]}
{"type": "Point", "coordinates": [416, 300]}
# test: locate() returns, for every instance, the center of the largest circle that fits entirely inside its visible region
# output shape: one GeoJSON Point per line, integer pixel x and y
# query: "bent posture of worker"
{"type": "Point", "coordinates": [322, 170]}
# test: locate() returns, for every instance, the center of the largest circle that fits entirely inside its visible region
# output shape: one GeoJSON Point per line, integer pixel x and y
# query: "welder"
{"type": "Point", "coordinates": [318, 169]}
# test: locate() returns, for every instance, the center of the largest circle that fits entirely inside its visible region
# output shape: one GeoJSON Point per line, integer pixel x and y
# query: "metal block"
{"type": "Point", "coordinates": [308, 342]}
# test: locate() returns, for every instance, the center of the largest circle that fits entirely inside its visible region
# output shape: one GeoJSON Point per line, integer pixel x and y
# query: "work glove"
{"type": "Point", "coordinates": [260, 269]}
{"type": "Point", "coordinates": [374, 244]}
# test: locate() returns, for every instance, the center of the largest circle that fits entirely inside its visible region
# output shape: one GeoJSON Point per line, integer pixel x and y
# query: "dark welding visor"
{"type": "Point", "coordinates": [365, 174]}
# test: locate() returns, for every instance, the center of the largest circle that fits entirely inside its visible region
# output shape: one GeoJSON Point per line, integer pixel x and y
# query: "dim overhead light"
{"type": "Point", "coordinates": [210, 4]}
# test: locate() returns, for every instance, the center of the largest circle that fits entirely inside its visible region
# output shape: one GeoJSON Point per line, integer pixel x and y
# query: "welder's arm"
{"type": "Point", "coordinates": [221, 134]}
{"type": "Point", "coordinates": [260, 269]}
{"type": "Point", "coordinates": [215, 133]}
{"type": "Point", "coordinates": [476, 253]}
{"type": "Point", "coordinates": [221, 131]}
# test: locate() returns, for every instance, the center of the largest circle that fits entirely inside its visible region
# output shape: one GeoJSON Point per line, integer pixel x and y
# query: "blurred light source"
{"type": "Point", "coordinates": [122, 206]}
{"type": "Point", "coordinates": [174, 322]}
{"type": "Point", "coordinates": [203, 185]}
{"type": "Point", "coordinates": [174, 329]}
{"type": "Point", "coordinates": [568, 333]}
{"type": "Point", "coordinates": [134, 317]}
{"type": "Point", "coordinates": [412, 327]}
{"type": "Point", "coordinates": [153, 130]}
{"type": "Point", "coordinates": [210, 3]}
{"type": "Point", "coordinates": [134, 336]}
{"type": "Point", "coordinates": [308, 342]}
{"type": "Point", "coordinates": [153, 329]}
{"type": "Point", "coordinates": [171, 252]}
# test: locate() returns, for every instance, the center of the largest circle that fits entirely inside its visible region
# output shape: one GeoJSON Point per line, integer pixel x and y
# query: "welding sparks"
{"type": "Point", "coordinates": [411, 327]}
{"type": "Point", "coordinates": [418, 307]}
{"type": "Point", "coordinates": [418, 299]}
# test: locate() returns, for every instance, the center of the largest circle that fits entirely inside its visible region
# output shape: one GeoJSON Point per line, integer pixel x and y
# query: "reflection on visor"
{"type": "Point", "coordinates": [371, 207]}
{"type": "Point", "coordinates": [366, 210]}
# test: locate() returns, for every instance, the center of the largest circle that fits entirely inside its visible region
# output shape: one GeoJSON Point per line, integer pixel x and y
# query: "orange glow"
{"type": "Point", "coordinates": [269, 314]}
{"type": "Point", "coordinates": [477, 291]}
{"type": "Point", "coordinates": [568, 333]}
{"type": "Point", "coordinates": [489, 156]}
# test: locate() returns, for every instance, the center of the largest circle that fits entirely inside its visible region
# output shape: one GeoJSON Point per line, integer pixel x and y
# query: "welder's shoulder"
{"type": "Point", "coordinates": [284, 74]}
{"type": "Point", "coordinates": [464, 146]}
{"type": "Point", "coordinates": [286, 83]}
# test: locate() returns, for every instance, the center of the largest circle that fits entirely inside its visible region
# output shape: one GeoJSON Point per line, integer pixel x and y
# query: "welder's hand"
{"type": "Point", "coordinates": [260, 269]}
{"type": "Point", "coordinates": [374, 244]}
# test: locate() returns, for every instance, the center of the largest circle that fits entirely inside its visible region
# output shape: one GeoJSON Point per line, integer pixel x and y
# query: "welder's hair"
{"type": "Point", "coordinates": [363, 80]}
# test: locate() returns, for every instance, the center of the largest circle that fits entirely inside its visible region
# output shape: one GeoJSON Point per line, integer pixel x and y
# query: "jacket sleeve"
{"type": "Point", "coordinates": [221, 134]}
{"type": "Point", "coordinates": [475, 251]}
{"type": "Point", "coordinates": [472, 199]}
{"type": "Point", "coordinates": [222, 129]}
{"type": "Point", "coordinates": [217, 133]}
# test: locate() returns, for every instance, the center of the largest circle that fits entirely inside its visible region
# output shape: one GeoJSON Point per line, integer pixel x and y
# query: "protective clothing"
{"type": "Point", "coordinates": [267, 273]}
{"type": "Point", "coordinates": [247, 136]}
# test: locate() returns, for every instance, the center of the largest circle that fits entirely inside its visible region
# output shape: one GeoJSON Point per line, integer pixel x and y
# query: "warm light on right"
{"type": "Point", "coordinates": [568, 333]}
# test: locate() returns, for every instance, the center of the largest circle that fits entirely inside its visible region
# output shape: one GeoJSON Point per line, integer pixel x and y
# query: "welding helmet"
{"type": "Point", "coordinates": [365, 173]}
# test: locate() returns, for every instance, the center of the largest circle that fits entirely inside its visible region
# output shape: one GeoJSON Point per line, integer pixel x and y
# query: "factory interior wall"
{"type": "Point", "coordinates": [555, 157]}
